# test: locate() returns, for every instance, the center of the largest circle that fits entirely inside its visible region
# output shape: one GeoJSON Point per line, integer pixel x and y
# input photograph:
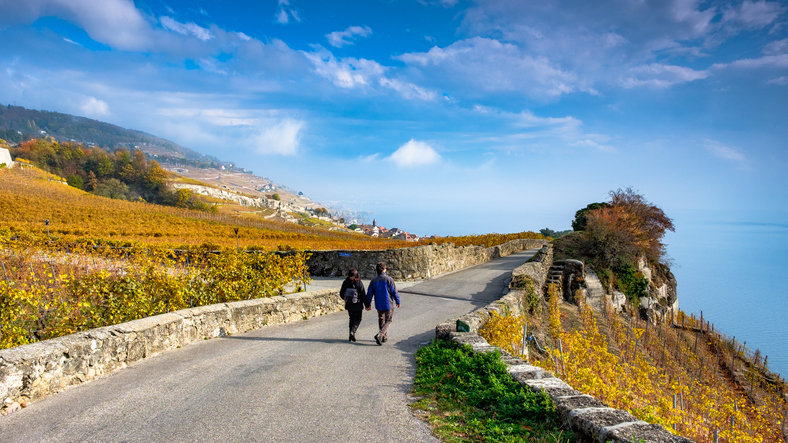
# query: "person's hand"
{"type": "Point", "coordinates": [398, 305]}
{"type": "Point", "coordinates": [369, 308]}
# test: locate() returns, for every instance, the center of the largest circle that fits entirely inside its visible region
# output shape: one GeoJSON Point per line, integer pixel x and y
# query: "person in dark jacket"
{"type": "Point", "coordinates": [352, 291]}
{"type": "Point", "coordinates": [383, 289]}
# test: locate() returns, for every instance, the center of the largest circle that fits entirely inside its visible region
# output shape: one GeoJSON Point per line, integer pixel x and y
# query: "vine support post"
{"type": "Point", "coordinates": [716, 436]}
{"type": "Point", "coordinates": [5, 274]}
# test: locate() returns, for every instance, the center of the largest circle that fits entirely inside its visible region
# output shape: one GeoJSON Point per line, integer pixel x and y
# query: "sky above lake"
{"type": "Point", "coordinates": [447, 117]}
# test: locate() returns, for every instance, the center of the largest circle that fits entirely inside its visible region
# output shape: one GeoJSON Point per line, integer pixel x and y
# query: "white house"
{"type": "Point", "coordinates": [5, 157]}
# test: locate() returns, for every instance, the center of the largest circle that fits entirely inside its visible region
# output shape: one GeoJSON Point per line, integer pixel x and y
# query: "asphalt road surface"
{"type": "Point", "coordinates": [301, 382]}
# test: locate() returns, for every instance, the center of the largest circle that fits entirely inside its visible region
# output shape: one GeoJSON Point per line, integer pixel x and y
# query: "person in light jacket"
{"type": "Point", "coordinates": [383, 289]}
{"type": "Point", "coordinates": [352, 291]}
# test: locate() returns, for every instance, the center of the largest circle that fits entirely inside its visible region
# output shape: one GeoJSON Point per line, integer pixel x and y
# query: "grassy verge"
{"type": "Point", "coordinates": [469, 397]}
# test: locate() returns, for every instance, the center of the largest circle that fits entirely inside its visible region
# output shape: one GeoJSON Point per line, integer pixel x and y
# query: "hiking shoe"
{"type": "Point", "coordinates": [384, 339]}
{"type": "Point", "coordinates": [377, 340]}
{"type": "Point", "coordinates": [352, 337]}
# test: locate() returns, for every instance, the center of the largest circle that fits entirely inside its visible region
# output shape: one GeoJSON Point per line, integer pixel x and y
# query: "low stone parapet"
{"type": "Point", "coordinates": [34, 371]}
{"type": "Point", "coordinates": [418, 262]}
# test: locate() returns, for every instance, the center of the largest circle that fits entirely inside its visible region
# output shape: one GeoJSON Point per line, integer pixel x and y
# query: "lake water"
{"type": "Point", "coordinates": [735, 273]}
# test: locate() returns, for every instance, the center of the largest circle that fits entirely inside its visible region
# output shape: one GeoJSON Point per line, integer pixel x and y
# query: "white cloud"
{"type": "Point", "coordinates": [484, 64]}
{"type": "Point", "coordinates": [282, 138]}
{"type": "Point", "coordinates": [346, 73]}
{"type": "Point", "coordinates": [414, 153]}
{"type": "Point", "coordinates": [753, 15]}
{"type": "Point", "coordinates": [93, 107]}
{"type": "Point", "coordinates": [782, 81]}
{"type": "Point", "coordinates": [779, 61]}
{"type": "Point", "coordinates": [284, 14]}
{"type": "Point", "coordinates": [776, 47]}
{"type": "Point", "coordinates": [588, 143]}
{"type": "Point", "coordinates": [661, 76]}
{"type": "Point", "coordinates": [186, 28]}
{"type": "Point", "coordinates": [243, 36]}
{"type": "Point", "coordinates": [408, 90]}
{"type": "Point", "coordinates": [116, 23]}
{"type": "Point", "coordinates": [727, 153]}
{"type": "Point", "coordinates": [347, 37]}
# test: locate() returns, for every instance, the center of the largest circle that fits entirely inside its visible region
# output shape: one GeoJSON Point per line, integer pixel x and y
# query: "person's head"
{"type": "Point", "coordinates": [352, 274]}
{"type": "Point", "coordinates": [380, 267]}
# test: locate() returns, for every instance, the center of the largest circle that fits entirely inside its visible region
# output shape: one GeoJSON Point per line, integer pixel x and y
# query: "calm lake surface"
{"type": "Point", "coordinates": [735, 273]}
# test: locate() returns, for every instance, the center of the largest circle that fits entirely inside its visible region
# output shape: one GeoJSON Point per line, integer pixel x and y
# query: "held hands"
{"type": "Point", "coordinates": [369, 308]}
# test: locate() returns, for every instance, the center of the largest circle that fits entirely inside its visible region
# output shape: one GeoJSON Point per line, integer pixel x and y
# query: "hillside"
{"type": "Point", "coordinates": [29, 196]}
{"type": "Point", "coordinates": [18, 124]}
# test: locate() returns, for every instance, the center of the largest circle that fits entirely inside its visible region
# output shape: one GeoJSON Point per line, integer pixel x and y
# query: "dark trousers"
{"type": "Point", "coordinates": [384, 321]}
{"type": "Point", "coordinates": [355, 320]}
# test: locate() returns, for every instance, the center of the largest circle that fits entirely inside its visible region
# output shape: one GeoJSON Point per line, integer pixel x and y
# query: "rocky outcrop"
{"type": "Point", "coordinates": [34, 371]}
{"type": "Point", "coordinates": [661, 305]}
{"type": "Point", "coordinates": [412, 263]}
{"type": "Point", "coordinates": [259, 202]}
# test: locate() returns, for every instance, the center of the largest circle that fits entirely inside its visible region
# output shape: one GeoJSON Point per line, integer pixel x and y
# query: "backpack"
{"type": "Point", "coordinates": [351, 295]}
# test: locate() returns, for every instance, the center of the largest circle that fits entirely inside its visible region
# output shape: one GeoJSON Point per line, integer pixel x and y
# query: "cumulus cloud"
{"type": "Point", "coordinates": [346, 73]}
{"type": "Point", "coordinates": [414, 153]}
{"type": "Point", "coordinates": [661, 76]}
{"type": "Point", "coordinates": [489, 65]}
{"type": "Point", "coordinates": [116, 23]}
{"type": "Point", "coordinates": [282, 138]}
{"type": "Point", "coordinates": [93, 107]}
{"type": "Point", "coordinates": [186, 28]}
{"type": "Point", "coordinates": [338, 39]}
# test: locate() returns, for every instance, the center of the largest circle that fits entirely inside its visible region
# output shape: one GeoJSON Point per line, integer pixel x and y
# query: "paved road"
{"type": "Point", "coordinates": [302, 382]}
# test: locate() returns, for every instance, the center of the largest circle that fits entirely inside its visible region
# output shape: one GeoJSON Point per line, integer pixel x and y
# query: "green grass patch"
{"type": "Point", "coordinates": [470, 397]}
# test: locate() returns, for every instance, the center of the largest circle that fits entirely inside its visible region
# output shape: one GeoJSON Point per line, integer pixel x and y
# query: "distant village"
{"type": "Point", "coordinates": [374, 230]}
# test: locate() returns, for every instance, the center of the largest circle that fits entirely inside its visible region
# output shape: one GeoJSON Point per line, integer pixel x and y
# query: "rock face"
{"type": "Point", "coordinates": [412, 263]}
{"type": "Point", "coordinates": [5, 157]}
{"type": "Point", "coordinates": [260, 202]}
{"type": "Point", "coordinates": [662, 303]}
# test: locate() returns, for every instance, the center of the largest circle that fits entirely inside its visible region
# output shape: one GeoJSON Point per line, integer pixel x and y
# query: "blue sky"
{"type": "Point", "coordinates": [447, 117]}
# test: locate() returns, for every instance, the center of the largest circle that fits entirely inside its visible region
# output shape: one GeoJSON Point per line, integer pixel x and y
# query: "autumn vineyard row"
{"type": "Point", "coordinates": [691, 380]}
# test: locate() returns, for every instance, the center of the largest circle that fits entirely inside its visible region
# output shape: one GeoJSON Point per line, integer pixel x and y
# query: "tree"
{"type": "Point", "coordinates": [353, 226]}
{"type": "Point", "coordinates": [276, 197]}
{"type": "Point", "coordinates": [579, 223]}
{"type": "Point", "coordinates": [625, 230]}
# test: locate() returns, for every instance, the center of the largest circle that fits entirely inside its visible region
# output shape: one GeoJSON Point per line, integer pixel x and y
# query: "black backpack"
{"type": "Point", "coordinates": [351, 295]}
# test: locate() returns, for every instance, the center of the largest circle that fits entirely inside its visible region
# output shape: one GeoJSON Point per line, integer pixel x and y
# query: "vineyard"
{"type": "Point", "coordinates": [686, 377]}
{"type": "Point", "coordinates": [48, 292]}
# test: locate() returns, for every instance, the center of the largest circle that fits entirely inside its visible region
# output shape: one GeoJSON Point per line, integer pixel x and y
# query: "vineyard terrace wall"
{"type": "Point", "coordinates": [413, 263]}
{"type": "Point", "coordinates": [586, 415]}
{"type": "Point", "coordinates": [31, 372]}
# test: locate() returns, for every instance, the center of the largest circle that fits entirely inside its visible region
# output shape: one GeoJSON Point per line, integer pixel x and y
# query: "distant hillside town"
{"type": "Point", "coordinates": [374, 230]}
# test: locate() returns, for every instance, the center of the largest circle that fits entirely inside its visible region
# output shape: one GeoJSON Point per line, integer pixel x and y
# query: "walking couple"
{"type": "Point", "coordinates": [382, 289]}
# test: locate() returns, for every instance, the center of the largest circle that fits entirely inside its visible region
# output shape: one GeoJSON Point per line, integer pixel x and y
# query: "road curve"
{"type": "Point", "coordinates": [301, 382]}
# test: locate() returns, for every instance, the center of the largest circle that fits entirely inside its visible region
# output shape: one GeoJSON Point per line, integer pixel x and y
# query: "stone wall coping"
{"type": "Point", "coordinates": [583, 413]}
{"type": "Point", "coordinates": [36, 370]}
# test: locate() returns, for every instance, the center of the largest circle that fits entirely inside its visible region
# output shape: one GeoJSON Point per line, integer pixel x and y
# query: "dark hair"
{"type": "Point", "coordinates": [380, 267]}
{"type": "Point", "coordinates": [352, 273]}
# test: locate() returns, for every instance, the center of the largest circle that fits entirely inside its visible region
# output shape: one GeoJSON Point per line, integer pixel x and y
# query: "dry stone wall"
{"type": "Point", "coordinates": [591, 418]}
{"type": "Point", "coordinates": [413, 263]}
{"type": "Point", "coordinates": [34, 371]}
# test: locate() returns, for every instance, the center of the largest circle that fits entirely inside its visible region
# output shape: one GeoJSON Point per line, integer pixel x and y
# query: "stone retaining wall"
{"type": "Point", "coordinates": [584, 414]}
{"type": "Point", "coordinates": [413, 263]}
{"type": "Point", "coordinates": [34, 371]}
